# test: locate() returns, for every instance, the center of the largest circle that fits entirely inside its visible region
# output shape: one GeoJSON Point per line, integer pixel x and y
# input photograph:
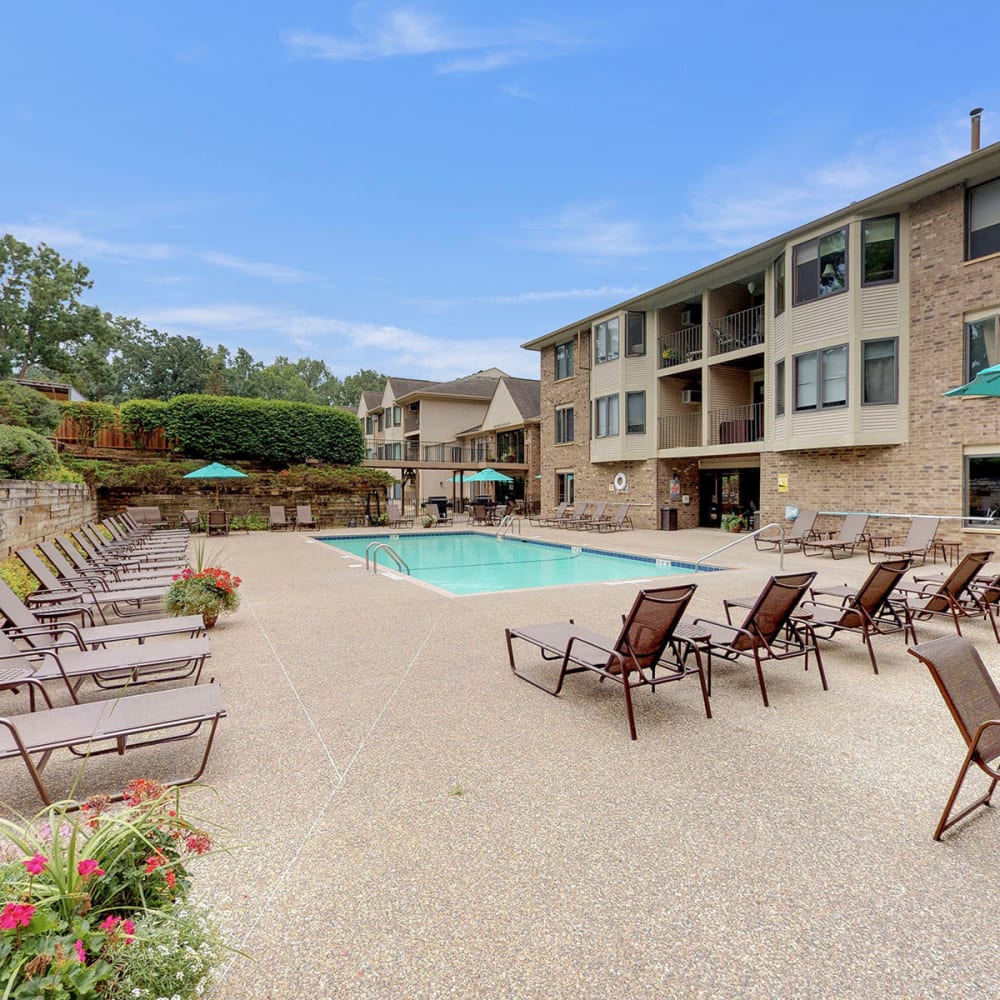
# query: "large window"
{"type": "Point", "coordinates": [635, 413]}
{"type": "Point", "coordinates": [779, 389]}
{"type": "Point", "coordinates": [779, 285]}
{"type": "Point", "coordinates": [564, 424]}
{"type": "Point", "coordinates": [564, 487]}
{"type": "Point", "coordinates": [981, 345]}
{"type": "Point", "coordinates": [820, 266]}
{"type": "Point", "coordinates": [635, 334]}
{"type": "Point", "coordinates": [879, 368]}
{"type": "Point", "coordinates": [821, 379]}
{"type": "Point", "coordinates": [565, 359]}
{"type": "Point", "coordinates": [880, 250]}
{"type": "Point", "coordinates": [606, 416]}
{"type": "Point", "coordinates": [983, 222]}
{"type": "Point", "coordinates": [606, 340]}
{"type": "Point", "coordinates": [982, 485]}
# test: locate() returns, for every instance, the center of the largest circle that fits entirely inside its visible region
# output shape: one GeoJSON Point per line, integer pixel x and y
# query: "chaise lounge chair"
{"type": "Point", "coordinates": [632, 659]}
{"type": "Point", "coordinates": [974, 702]}
{"type": "Point", "coordinates": [580, 518]}
{"type": "Point", "coordinates": [768, 631]}
{"type": "Point", "coordinates": [276, 520]}
{"type": "Point", "coordinates": [953, 597]}
{"type": "Point", "coordinates": [304, 519]}
{"type": "Point", "coordinates": [115, 726]}
{"type": "Point", "coordinates": [618, 521]}
{"type": "Point", "coordinates": [395, 518]}
{"type": "Point", "coordinates": [851, 535]}
{"type": "Point", "coordinates": [917, 544]}
{"type": "Point", "coordinates": [801, 530]}
{"type": "Point", "coordinates": [539, 520]}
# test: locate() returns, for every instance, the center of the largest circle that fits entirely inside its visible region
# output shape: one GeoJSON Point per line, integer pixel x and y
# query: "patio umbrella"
{"type": "Point", "coordinates": [986, 383]}
{"type": "Point", "coordinates": [216, 471]}
{"type": "Point", "coordinates": [488, 476]}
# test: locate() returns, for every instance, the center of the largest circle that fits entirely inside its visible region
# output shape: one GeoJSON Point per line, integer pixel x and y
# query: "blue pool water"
{"type": "Point", "coordinates": [470, 563]}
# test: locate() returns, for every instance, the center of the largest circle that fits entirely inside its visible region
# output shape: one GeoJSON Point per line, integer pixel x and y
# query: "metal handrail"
{"type": "Point", "coordinates": [744, 537]}
{"type": "Point", "coordinates": [507, 521]}
{"type": "Point", "coordinates": [375, 548]}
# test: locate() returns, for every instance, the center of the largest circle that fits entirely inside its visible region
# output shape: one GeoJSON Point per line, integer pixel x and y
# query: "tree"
{"type": "Point", "coordinates": [155, 365]}
{"type": "Point", "coordinates": [41, 316]}
{"type": "Point", "coordinates": [365, 380]}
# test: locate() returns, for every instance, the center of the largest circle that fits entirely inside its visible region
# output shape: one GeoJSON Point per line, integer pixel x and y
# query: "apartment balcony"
{"type": "Point", "coordinates": [448, 454]}
{"type": "Point", "coordinates": [736, 424]}
{"type": "Point", "coordinates": [681, 346]}
{"type": "Point", "coordinates": [736, 331]}
{"type": "Point", "coordinates": [683, 431]}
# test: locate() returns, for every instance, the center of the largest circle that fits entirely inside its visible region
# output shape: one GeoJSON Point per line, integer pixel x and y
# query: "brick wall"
{"type": "Point", "coordinates": [31, 512]}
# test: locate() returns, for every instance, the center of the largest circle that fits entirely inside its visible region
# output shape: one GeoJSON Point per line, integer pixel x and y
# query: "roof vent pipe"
{"type": "Point", "coordinates": [975, 114]}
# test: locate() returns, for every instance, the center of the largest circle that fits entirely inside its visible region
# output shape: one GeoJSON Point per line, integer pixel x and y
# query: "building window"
{"type": "Point", "coordinates": [779, 285]}
{"type": "Point", "coordinates": [880, 250]}
{"type": "Point", "coordinates": [564, 487]}
{"type": "Point", "coordinates": [565, 359]}
{"type": "Point", "coordinates": [635, 413]}
{"type": "Point", "coordinates": [879, 368]}
{"type": "Point", "coordinates": [779, 389]}
{"type": "Point", "coordinates": [820, 267]}
{"type": "Point", "coordinates": [982, 485]}
{"type": "Point", "coordinates": [635, 335]}
{"type": "Point", "coordinates": [821, 379]}
{"type": "Point", "coordinates": [606, 341]}
{"type": "Point", "coordinates": [564, 424]}
{"type": "Point", "coordinates": [981, 345]}
{"type": "Point", "coordinates": [606, 416]}
{"type": "Point", "coordinates": [983, 219]}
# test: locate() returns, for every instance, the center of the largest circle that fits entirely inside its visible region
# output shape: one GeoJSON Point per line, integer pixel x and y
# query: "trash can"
{"type": "Point", "coordinates": [668, 519]}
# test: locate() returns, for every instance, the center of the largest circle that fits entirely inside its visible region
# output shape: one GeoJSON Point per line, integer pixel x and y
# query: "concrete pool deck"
{"type": "Point", "coordinates": [411, 820]}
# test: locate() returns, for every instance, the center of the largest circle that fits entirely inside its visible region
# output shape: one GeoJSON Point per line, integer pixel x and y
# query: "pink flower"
{"type": "Point", "coordinates": [36, 865]}
{"type": "Point", "coordinates": [109, 923]}
{"type": "Point", "coordinates": [16, 915]}
{"type": "Point", "coordinates": [128, 929]}
{"type": "Point", "coordinates": [89, 867]}
{"type": "Point", "coordinates": [80, 951]}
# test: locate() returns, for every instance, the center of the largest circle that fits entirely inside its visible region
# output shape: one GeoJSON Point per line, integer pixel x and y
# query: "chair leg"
{"type": "Point", "coordinates": [760, 676]}
{"type": "Point", "coordinates": [945, 823]}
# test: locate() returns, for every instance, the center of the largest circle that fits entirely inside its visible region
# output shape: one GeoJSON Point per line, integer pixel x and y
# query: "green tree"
{"type": "Point", "coordinates": [156, 365]}
{"type": "Point", "coordinates": [41, 315]}
{"type": "Point", "coordinates": [24, 407]}
{"type": "Point", "coordinates": [365, 380]}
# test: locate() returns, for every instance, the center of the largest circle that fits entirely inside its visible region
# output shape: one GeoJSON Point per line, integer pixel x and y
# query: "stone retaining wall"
{"type": "Point", "coordinates": [31, 512]}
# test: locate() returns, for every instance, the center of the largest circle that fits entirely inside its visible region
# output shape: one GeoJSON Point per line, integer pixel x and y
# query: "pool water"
{"type": "Point", "coordinates": [469, 563]}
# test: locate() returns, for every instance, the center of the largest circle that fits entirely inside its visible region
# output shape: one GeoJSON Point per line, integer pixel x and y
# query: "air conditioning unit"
{"type": "Point", "coordinates": [691, 396]}
{"type": "Point", "coordinates": [687, 317]}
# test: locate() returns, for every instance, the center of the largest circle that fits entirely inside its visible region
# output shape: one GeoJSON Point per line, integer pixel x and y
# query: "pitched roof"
{"type": "Point", "coordinates": [479, 385]}
{"type": "Point", "coordinates": [371, 399]}
{"type": "Point", "coordinates": [527, 395]}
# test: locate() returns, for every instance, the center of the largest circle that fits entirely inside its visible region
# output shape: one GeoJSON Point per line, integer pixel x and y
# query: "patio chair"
{"type": "Point", "coordinates": [276, 520]}
{"type": "Point", "coordinates": [102, 553]}
{"type": "Point", "coordinates": [189, 519]}
{"type": "Point", "coordinates": [580, 517]}
{"type": "Point", "coordinates": [217, 523]}
{"type": "Point", "coordinates": [918, 541]}
{"type": "Point", "coordinates": [304, 518]}
{"type": "Point", "coordinates": [79, 565]}
{"type": "Point", "coordinates": [801, 530]}
{"type": "Point", "coordinates": [99, 579]}
{"type": "Point", "coordinates": [954, 597]}
{"type": "Point", "coordinates": [618, 521]}
{"type": "Point", "coordinates": [869, 611]}
{"type": "Point", "coordinates": [847, 539]}
{"type": "Point", "coordinates": [539, 520]}
{"type": "Point", "coordinates": [768, 631]}
{"type": "Point", "coordinates": [481, 514]}
{"type": "Point", "coordinates": [114, 726]}
{"type": "Point", "coordinates": [630, 659]}
{"type": "Point", "coordinates": [974, 702]}
{"type": "Point", "coordinates": [395, 518]}
{"type": "Point", "coordinates": [597, 516]}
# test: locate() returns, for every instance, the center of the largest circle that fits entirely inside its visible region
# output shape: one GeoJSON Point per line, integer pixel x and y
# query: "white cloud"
{"type": "Point", "coordinates": [604, 292]}
{"type": "Point", "coordinates": [583, 230]}
{"type": "Point", "coordinates": [273, 272]}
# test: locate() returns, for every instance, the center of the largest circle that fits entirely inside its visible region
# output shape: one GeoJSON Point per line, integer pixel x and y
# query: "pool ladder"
{"type": "Point", "coordinates": [507, 524]}
{"type": "Point", "coordinates": [371, 557]}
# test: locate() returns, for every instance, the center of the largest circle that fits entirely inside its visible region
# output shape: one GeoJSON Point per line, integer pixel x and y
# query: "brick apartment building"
{"type": "Point", "coordinates": [806, 371]}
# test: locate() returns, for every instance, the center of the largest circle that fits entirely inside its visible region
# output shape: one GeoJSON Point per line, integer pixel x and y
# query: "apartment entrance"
{"type": "Point", "coordinates": [727, 491]}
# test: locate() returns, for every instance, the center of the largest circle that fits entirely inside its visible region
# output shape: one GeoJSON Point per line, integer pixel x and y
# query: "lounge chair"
{"type": "Point", "coordinates": [147, 517]}
{"type": "Point", "coordinates": [801, 530]}
{"type": "Point", "coordinates": [437, 512]}
{"type": "Point", "coordinates": [189, 519]}
{"type": "Point", "coordinates": [954, 597]}
{"type": "Point", "coordinates": [918, 541]}
{"type": "Point", "coordinates": [217, 523]}
{"type": "Point", "coordinates": [304, 519]}
{"type": "Point", "coordinates": [89, 540]}
{"type": "Point", "coordinates": [276, 520]}
{"type": "Point", "coordinates": [598, 516]}
{"type": "Point", "coordinates": [114, 726]}
{"type": "Point", "coordinates": [870, 611]}
{"type": "Point", "coordinates": [768, 632]}
{"type": "Point", "coordinates": [632, 659]}
{"type": "Point", "coordinates": [974, 702]}
{"type": "Point", "coordinates": [619, 519]}
{"type": "Point", "coordinates": [851, 535]}
{"type": "Point", "coordinates": [580, 518]}
{"type": "Point", "coordinates": [394, 516]}
{"type": "Point", "coordinates": [103, 580]}
{"type": "Point", "coordinates": [538, 520]}
{"type": "Point", "coordinates": [79, 565]}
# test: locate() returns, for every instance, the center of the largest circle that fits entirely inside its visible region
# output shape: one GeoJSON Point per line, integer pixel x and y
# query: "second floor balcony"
{"type": "Point", "coordinates": [724, 425]}
{"type": "Point", "coordinates": [736, 331]}
{"type": "Point", "coordinates": [681, 346]}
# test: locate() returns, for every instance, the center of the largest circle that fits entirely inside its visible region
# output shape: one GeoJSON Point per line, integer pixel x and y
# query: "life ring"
{"type": "Point", "coordinates": [621, 482]}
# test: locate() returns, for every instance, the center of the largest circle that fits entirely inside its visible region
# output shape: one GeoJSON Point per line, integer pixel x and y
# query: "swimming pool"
{"type": "Point", "coordinates": [465, 562]}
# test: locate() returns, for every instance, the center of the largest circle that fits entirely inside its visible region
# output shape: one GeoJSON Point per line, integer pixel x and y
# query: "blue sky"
{"type": "Point", "coordinates": [420, 188]}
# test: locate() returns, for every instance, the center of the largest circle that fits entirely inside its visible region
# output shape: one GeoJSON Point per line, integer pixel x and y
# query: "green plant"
{"type": "Point", "coordinates": [79, 881]}
{"type": "Point", "coordinates": [732, 522]}
{"type": "Point", "coordinates": [142, 418]}
{"type": "Point", "coordinates": [18, 577]}
{"type": "Point", "coordinates": [89, 418]}
{"type": "Point", "coordinates": [25, 407]}
{"type": "Point", "coordinates": [427, 521]}
{"type": "Point", "coordinates": [198, 591]}
{"type": "Point", "coordinates": [248, 522]}
{"type": "Point", "coordinates": [25, 454]}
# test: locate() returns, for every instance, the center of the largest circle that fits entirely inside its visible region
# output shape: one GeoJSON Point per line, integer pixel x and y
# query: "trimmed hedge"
{"type": "Point", "coordinates": [274, 432]}
{"type": "Point", "coordinates": [142, 418]}
{"type": "Point", "coordinates": [24, 407]}
{"type": "Point", "coordinates": [89, 418]}
{"type": "Point", "coordinates": [24, 454]}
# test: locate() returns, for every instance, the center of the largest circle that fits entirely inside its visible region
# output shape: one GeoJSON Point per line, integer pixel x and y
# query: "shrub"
{"type": "Point", "coordinates": [150, 477]}
{"type": "Point", "coordinates": [24, 407]}
{"type": "Point", "coordinates": [142, 418]}
{"type": "Point", "coordinates": [18, 577]}
{"type": "Point", "coordinates": [25, 454]}
{"type": "Point", "coordinates": [89, 418]}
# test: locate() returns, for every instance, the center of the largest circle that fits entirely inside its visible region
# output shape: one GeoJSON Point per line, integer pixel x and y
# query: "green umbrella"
{"type": "Point", "coordinates": [489, 476]}
{"type": "Point", "coordinates": [216, 471]}
{"type": "Point", "coordinates": [986, 383]}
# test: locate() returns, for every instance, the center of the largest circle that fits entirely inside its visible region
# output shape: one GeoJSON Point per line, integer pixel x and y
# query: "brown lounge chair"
{"type": "Point", "coordinates": [618, 521]}
{"type": "Point", "coordinates": [974, 702]}
{"type": "Point", "coordinates": [580, 518]}
{"type": "Point", "coordinates": [632, 659]}
{"type": "Point", "coordinates": [953, 597]}
{"type": "Point", "coordinates": [114, 726]}
{"type": "Point", "coordinates": [190, 519]}
{"type": "Point", "coordinates": [97, 554]}
{"type": "Point", "coordinates": [394, 516]}
{"type": "Point", "coordinates": [802, 529]}
{"type": "Point", "coordinates": [768, 632]}
{"type": "Point", "coordinates": [869, 611]}
{"type": "Point", "coordinates": [276, 520]}
{"type": "Point", "coordinates": [76, 564]}
{"type": "Point", "coordinates": [304, 519]}
{"type": "Point", "coordinates": [918, 541]}
{"type": "Point", "coordinates": [850, 535]}
{"type": "Point", "coordinates": [539, 520]}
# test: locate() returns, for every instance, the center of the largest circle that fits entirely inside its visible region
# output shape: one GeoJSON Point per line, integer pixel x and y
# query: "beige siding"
{"type": "Point", "coordinates": [880, 308]}
{"type": "Point", "coordinates": [826, 321]}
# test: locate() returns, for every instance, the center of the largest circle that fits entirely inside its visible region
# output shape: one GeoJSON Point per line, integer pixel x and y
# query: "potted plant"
{"type": "Point", "coordinates": [668, 354]}
{"type": "Point", "coordinates": [207, 592]}
{"type": "Point", "coordinates": [427, 521]}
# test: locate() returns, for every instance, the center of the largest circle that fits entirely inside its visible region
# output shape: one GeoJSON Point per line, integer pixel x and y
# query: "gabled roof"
{"type": "Point", "coordinates": [371, 399]}
{"type": "Point", "coordinates": [404, 386]}
{"type": "Point", "coordinates": [527, 395]}
{"type": "Point", "coordinates": [479, 385]}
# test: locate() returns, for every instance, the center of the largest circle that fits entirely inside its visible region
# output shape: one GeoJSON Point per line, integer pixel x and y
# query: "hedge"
{"type": "Point", "coordinates": [142, 418]}
{"type": "Point", "coordinates": [25, 407]}
{"type": "Point", "coordinates": [24, 454]}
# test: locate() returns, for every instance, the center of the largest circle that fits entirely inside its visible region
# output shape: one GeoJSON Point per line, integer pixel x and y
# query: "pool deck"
{"type": "Point", "coordinates": [414, 821]}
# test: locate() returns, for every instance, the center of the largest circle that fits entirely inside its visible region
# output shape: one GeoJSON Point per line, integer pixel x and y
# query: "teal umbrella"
{"type": "Point", "coordinates": [216, 471]}
{"type": "Point", "coordinates": [489, 476]}
{"type": "Point", "coordinates": [986, 383]}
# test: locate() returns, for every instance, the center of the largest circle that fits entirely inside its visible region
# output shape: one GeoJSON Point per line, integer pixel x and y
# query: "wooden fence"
{"type": "Point", "coordinates": [113, 436]}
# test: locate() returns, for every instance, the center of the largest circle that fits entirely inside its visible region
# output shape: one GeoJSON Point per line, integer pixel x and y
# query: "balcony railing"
{"type": "Point", "coordinates": [450, 452]}
{"type": "Point", "coordinates": [736, 331]}
{"type": "Point", "coordinates": [681, 346]}
{"type": "Point", "coordinates": [736, 424]}
{"type": "Point", "coordinates": [682, 431]}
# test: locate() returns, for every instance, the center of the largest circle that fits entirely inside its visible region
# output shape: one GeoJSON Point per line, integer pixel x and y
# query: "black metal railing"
{"type": "Point", "coordinates": [683, 431]}
{"type": "Point", "coordinates": [736, 424]}
{"type": "Point", "coordinates": [680, 347]}
{"type": "Point", "coordinates": [736, 331]}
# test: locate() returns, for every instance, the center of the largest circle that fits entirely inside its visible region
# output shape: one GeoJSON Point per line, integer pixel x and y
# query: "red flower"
{"type": "Point", "coordinates": [16, 915]}
{"type": "Point", "coordinates": [89, 867]}
{"type": "Point", "coordinates": [36, 865]}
